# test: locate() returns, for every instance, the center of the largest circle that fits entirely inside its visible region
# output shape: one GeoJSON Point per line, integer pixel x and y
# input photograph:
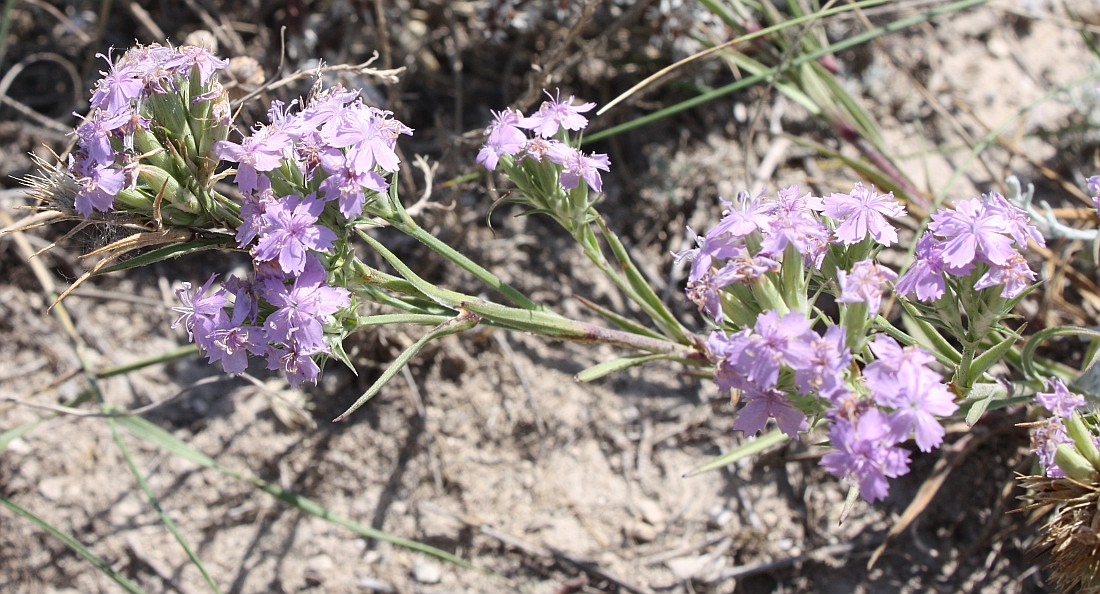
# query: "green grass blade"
{"type": "Point", "coordinates": [853, 41]}
{"type": "Point", "coordinates": [618, 364]}
{"type": "Point", "coordinates": [155, 502]}
{"type": "Point", "coordinates": [764, 442]}
{"type": "Point", "coordinates": [169, 443]}
{"type": "Point", "coordinates": [179, 353]}
{"type": "Point", "coordinates": [73, 544]}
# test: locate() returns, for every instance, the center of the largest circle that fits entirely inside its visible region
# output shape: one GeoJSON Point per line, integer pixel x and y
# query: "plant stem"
{"type": "Point", "coordinates": [527, 320]}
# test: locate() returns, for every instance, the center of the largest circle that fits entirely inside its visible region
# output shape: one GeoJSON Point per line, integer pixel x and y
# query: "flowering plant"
{"type": "Point", "coordinates": [801, 323]}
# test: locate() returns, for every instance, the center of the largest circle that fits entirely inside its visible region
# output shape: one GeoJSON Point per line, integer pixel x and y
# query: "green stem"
{"type": "Point", "coordinates": [526, 320]}
{"type": "Point", "coordinates": [407, 225]}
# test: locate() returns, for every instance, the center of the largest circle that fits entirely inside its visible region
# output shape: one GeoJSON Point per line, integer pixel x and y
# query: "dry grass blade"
{"type": "Point", "coordinates": [119, 248]}
{"type": "Point", "coordinates": [1072, 536]}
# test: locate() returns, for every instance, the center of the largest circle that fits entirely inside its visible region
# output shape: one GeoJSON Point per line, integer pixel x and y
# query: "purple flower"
{"type": "Point", "coordinates": [231, 341]}
{"type": "Point", "coordinates": [200, 314]}
{"type": "Point", "coordinates": [799, 229]}
{"type": "Point", "coordinates": [706, 292]}
{"type": "Point", "coordinates": [925, 275]}
{"type": "Point", "coordinates": [1059, 401]}
{"type": "Point", "coordinates": [822, 371]}
{"type": "Point", "coordinates": [290, 229]}
{"type": "Point", "coordinates": [891, 358]}
{"type": "Point", "coordinates": [202, 59]}
{"type": "Point", "coordinates": [1045, 442]}
{"type": "Point", "coordinates": [710, 247]}
{"type": "Point", "coordinates": [302, 308]}
{"type": "Point", "coordinates": [556, 113]}
{"type": "Point", "coordinates": [119, 85]}
{"type": "Point", "coordinates": [504, 138]}
{"type": "Point", "coordinates": [369, 136]}
{"type": "Point", "coordinates": [98, 189]}
{"type": "Point", "coordinates": [863, 284]}
{"type": "Point", "coordinates": [971, 231]}
{"type": "Point", "coordinates": [744, 216]}
{"type": "Point", "coordinates": [861, 212]}
{"type": "Point", "coordinates": [917, 397]}
{"type": "Point", "coordinates": [775, 341]}
{"type": "Point", "coordinates": [95, 134]}
{"type": "Point", "coordinates": [263, 151]}
{"type": "Point", "coordinates": [577, 165]}
{"type": "Point", "coordinates": [1014, 276]}
{"type": "Point", "coordinates": [791, 203]}
{"type": "Point", "coordinates": [1019, 222]}
{"type": "Point", "coordinates": [771, 403]}
{"type": "Point", "coordinates": [297, 363]}
{"type": "Point", "coordinates": [726, 353]}
{"type": "Point", "coordinates": [866, 455]}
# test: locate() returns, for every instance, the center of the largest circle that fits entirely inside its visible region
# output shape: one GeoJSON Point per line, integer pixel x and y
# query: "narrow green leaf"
{"type": "Point", "coordinates": [13, 434]}
{"type": "Point", "coordinates": [749, 448]}
{"type": "Point", "coordinates": [155, 502]}
{"type": "Point", "coordinates": [983, 362]}
{"type": "Point", "coordinates": [179, 353]}
{"type": "Point", "coordinates": [75, 545]}
{"type": "Point", "coordinates": [170, 252]}
{"type": "Point", "coordinates": [608, 367]}
{"type": "Point", "coordinates": [459, 323]}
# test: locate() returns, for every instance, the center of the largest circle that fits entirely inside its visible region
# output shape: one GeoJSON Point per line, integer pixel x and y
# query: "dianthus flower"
{"type": "Point", "coordinates": [290, 230]}
{"type": "Point", "coordinates": [121, 83]}
{"type": "Point", "coordinates": [971, 231]}
{"type": "Point", "coordinates": [863, 283]}
{"type": "Point", "coordinates": [760, 405]}
{"type": "Point", "coordinates": [866, 454]}
{"type": "Point", "coordinates": [98, 188]}
{"type": "Point", "coordinates": [200, 314]}
{"type": "Point", "coordinates": [822, 371]}
{"type": "Point", "coordinates": [744, 215]}
{"type": "Point", "coordinates": [917, 397]}
{"type": "Point", "coordinates": [504, 138]}
{"type": "Point", "coordinates": [863, 212]}
{"type": "Point", "coordinates": [577, 165]}
{"type": "Point", "coordinates": [1014, 276]}
{"type": "Point", "coordinates": [1059, 401]}
{"type": "Point", "coordinates": [302, 308]}
{"type": "Point", "coordinates": [775, 341]}
{"type": "Point", "coordinates": [556, 113]}
{"type": "Point", "coordinates": [925, 275]}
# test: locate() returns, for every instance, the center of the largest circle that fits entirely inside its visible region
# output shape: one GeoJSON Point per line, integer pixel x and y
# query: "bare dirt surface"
{"type": "Point", "coordinates": [488, 448]}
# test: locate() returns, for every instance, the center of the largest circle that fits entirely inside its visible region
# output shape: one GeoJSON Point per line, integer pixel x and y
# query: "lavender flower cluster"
{"type": "Point", "coordinates": [752, 274]}
{"type": "Point", "coordinates": [116, 144]}
{"type": "Point", "coordinates": [505, 137]}
{"type": "Point", "coordinates": [1051, 431]}
{"type": "Point", "coordinates": [305, 178]}
{"type": "Point", "coordinates": [978, 237]}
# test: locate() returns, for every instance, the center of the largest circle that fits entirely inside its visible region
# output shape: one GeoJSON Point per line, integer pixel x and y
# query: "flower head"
{"type": "Point", "coordinates": [973, 231]}
{"type": "Point", "coordinates": [863, 283]}
{"type": "Point", "coordinates": [557, 113]}
{"type": "Point", "coordinates": [863, 212]}
{"type": "Point", "coordinates": [1059, 401]}
{"type": "Point", "coordinates": [866, 454]}
{"type": "Point", "coordinates": [290, 230]}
